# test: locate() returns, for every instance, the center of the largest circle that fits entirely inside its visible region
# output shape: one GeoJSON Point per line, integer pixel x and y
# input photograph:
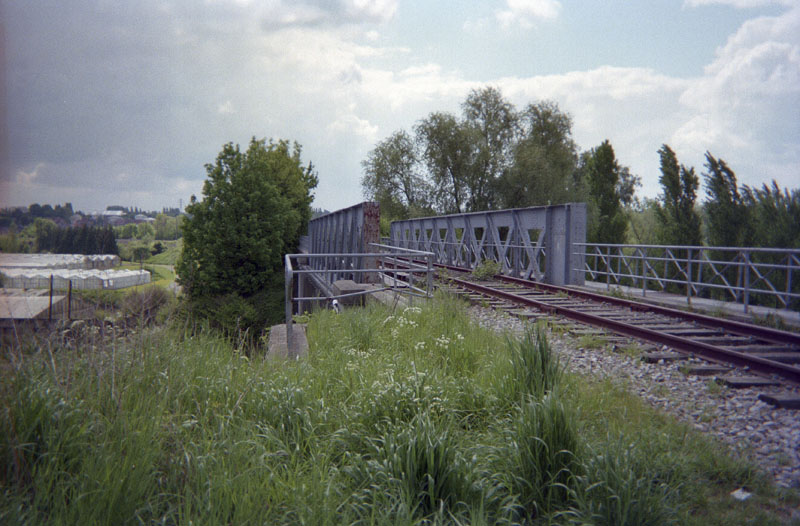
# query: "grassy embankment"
{"type": "Point", "coordinates": [392, 418]}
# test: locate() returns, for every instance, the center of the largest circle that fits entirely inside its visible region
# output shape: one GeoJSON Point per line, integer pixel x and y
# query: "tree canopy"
{"type": "Point", "coordinates": [492, 156]}
{"type": "Point", "coordinates": [679, 220]}
{"type": "Point", "coordinates": [255, 206]}
{"type": "Point", "coordinates": [603, 174]}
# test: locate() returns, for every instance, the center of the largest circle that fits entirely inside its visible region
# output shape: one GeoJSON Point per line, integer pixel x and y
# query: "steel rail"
{"type": "Point", "coordinates": [707, 351]}
{"type": "Point", "coordinates": [736, 327]}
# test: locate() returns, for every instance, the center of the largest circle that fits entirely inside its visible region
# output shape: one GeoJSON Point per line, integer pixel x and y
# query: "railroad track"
{"type": "Point", "coordinates": [773, 356]}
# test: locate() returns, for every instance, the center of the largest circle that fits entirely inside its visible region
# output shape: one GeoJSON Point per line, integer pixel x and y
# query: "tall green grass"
{"type": "Point", "coordinates": [411, 416]}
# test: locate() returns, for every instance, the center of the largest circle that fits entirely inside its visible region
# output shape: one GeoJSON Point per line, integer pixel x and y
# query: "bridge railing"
{"type": "Point", "coordinates": [323, 270]}
{"type": "Point", "coordinates": [745, 275]}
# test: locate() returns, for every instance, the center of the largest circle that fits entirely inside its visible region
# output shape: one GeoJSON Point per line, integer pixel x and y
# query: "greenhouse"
{"type": "Point", "coordinates": [59, 261]}
{"type": "Point", "coordinates": [39, 278]}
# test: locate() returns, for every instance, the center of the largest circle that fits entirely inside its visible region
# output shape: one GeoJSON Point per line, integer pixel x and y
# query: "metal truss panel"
{"type": "Point", "coordinates": [347, 231]}
{"type": "Point", "coordinates": [533, 243]}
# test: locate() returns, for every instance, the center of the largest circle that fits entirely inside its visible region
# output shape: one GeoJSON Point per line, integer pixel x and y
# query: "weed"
{"type": "Point", "coordinates": [632, 350]}
{"type": "Point", "coordinates": [412, 416]}
{"type": "Point", "coordinates": [714, 388]}
{"type": "Point", "coordinates": [590, 341]}
{"type": "Point", "coordinates": [543, 456]}
{"type": "Point", "coordinates": [486, 269]}
{"type": "Point", "coordinates": [619, 489]}
{"type": "Point", "coordinates": [419, 469]}
{"type": "Point", "coordinates": [536, 369]}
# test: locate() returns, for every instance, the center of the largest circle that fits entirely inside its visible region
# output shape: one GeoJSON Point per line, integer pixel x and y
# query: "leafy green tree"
{"type": "Point", "coordinates": [145, 231]}
{"type": "Point", "coordinates": [392, 177]}
{"type": "Point", "coordinates": [680, 223]}
{"type": "Point", "coordinates": [494, 123]}
{"type": "Point", "coordinates": [255, 206]}
{"type": "Point", "coordinates": [774, 215]}
{"type": "Point", "coordinates": [544, 160]}
{"type": "Point", "coordinates": [726, 213]}
{"type": "Point", "coordinates": [603, 179]}
{"type": "Point", "coordinates": [448, 151]}
{"type": "Point", "coordinates": [46, 234]}
{"type": "Point", "coordinates": [166, 227]}
{"type": "Point", "coordinates": [644, 222]}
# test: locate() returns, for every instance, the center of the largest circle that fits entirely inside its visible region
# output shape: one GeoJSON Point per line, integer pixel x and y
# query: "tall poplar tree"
{"type": "Point", "coordinates": [726, 213]}
{"type": "Point", "coordinates": [603, 179]}
{"type": "Point", "coordinates": [680, 223]}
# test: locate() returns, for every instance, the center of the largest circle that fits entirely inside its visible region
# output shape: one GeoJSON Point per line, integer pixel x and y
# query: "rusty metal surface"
{"type": "Point", "coordinates": [706, 350]}
{"type": "Point", "coordinates": [347, 231]}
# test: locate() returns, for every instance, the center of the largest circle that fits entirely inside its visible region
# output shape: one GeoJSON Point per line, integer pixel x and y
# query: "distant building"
{"type": "Point", "coordinates": [111, 217]}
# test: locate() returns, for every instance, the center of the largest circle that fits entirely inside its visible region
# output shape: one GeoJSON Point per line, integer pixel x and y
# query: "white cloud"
{"type": "Point", "coordinates": [524, 12]}
{"type": "Point", "coordinates": [352, 124]}
{"type": "Point", "coordinates": [738, 106]}
{"type": "Point", "coordinates": [226, 108]}
{"type": "Point", "coordinates": [371, 10]}
{"type": "Point", "coordinates": [739, 4]}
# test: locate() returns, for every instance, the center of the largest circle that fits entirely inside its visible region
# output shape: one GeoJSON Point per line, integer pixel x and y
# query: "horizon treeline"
{"type": "Point", "coordinates": [494, 156]}
{"type": "Point", "coordinates": [75, 240]}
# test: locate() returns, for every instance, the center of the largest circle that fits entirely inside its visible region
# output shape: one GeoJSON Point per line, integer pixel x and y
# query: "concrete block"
{"type": "Point", "coordinates": [348, 286]}
{"type": "Point", "coordinates": [277, 346]}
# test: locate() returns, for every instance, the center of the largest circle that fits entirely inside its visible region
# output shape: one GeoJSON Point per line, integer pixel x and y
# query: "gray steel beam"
{"type": "Point", "coordinates": [534, 243]}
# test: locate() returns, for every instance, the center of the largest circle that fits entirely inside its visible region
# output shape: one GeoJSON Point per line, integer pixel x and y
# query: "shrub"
{"type": "Point", "coordinates": [486, 269]}
{"type": "Point", "coordinates": [145, 303]}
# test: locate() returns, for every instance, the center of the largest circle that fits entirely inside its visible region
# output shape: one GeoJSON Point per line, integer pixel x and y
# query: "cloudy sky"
{"type": "Point", "coordinates": [121, 102]}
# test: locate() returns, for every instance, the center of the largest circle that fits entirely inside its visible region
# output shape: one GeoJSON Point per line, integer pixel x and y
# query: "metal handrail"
{"type": "Point", "coordinates": [389, 252]}
{"type": "Point", "coordinates": [699, 270]}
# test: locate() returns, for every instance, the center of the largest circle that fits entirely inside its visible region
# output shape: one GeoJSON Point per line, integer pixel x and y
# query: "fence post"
{"type": "Point", "coordinates": [643, 252]}
{"type": "Point", "coordinates": [689, 277]}
{"type": "Point", "coordinates": [50, 308]}
{"type": "Point", "coordinates": [69, 301]}
{"type": "Point", "coordinates": [746, 280]}
{"type": "Point", "coordinates": [288, 278]}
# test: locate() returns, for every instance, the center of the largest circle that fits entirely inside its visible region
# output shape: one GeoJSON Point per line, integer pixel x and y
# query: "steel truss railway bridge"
{"type": "Point", "coordinates": [343, 258]}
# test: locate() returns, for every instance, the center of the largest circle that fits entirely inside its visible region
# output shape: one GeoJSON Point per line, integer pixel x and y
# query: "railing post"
{"type": "Point", "coordinates": [288, 278]}
{"type": "Point", "coordinates": [746, 280]}
{"type": "Point", "coordinates": [787, 298]}
{"type": "Point", "coordinates": [608, 268]}
{"type": "Point", "coordinates": [50, 308]}
{"type": "Point", "coordinates": [643, 252]}
{"type": "Point", "coordinates": [689, 277]}
{"type": "Point", "coordinates": [429, 280]}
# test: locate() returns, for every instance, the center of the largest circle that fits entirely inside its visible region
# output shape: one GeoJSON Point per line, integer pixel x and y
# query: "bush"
{"type": "Point", "coordinates": [237, 317]}
{"type": "Point", "coordinates": [145, 303]}
{"type": "Point", "coordinates": [486, 269]}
